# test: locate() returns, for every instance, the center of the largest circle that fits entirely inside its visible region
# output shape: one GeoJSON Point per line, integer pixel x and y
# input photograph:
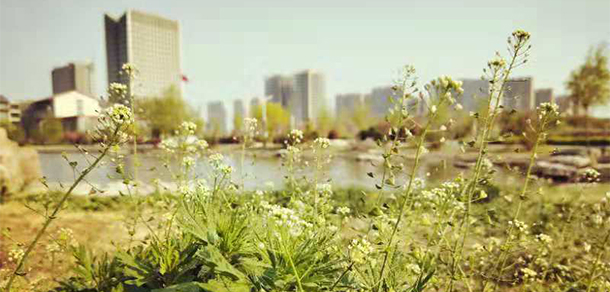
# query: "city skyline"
{"type": "Point", "coordinates": [231, 56]}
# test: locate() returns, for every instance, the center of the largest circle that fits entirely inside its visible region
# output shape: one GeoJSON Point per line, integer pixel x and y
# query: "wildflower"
{"type": "Point", "coordinates": [433, 109]}
{"type": "Point", "coordinates": [325, 189]}
{"type": "Point", "coordinates": [359, 250]}
{"type": "Point", "coordinates": [188, 161]}
{"type": "Point", "coordinates": [188, 128]}
{"type": "Point", "coordinates": [591, 175]}
{"type": "Point", "coordinates": [202, 144]}
{"type": "Point", "coordinates": [459, 107]}
{"type": "Point", "coordinates": [520, 226]}
{"type": "Point", "coordinates": [343, 211]}
{"type": "Point", "coordinates": [521, 35]}
{"type": "Point", "coordinates": [120, 115]}
{"type": "Point", "coordinates": [250, 125]}
{"type": "Point", "coordinates": [586, 247]}
{"type": "Point", "coordinates": [548, 109]}
{"type": "Point", "coordinates": [443, 128]}
{"type": "Point", "coordinates": [296, 136]}
{"type": "Point", "coordinates": [543, 238]}
{"type": "Point", "coordinates": [15, 254]}
{"type": "Point", "coordinates": [117, 90]}
{"type": "Point", "coordinates": [497, 63]}
{"type": "Point", "coordinates": [528, 273]}
{"type": "Point", "coordinates": [321, 143]}
{"type": "Point", "coordinates": [129, 69]}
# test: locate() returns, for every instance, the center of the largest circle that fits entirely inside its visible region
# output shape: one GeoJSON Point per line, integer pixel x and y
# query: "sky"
{"type": "Point", "coordinates": [230, 46]}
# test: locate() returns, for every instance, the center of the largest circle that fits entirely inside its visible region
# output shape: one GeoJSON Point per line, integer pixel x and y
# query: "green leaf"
{"type": "Point", "coordinates": [184, 287]}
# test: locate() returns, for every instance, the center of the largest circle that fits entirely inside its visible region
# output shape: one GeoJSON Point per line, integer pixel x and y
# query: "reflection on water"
{"type": "Point", "coordinates": [257, 172]}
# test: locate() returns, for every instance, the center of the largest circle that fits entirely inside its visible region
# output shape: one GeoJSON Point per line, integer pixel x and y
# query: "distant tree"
{"type": "Point", "coordinates": [277, 118]}
{"type": "Point", "coordinates": [589, 85]}
{"type": "Point", "coordinates": [51, 131]}
{"type": "Point", "coordinates": [14, 132]}
{"type": "Point", "coordinates": [164, 114]}
{"type": "Point", "coordinates": [361, 117]}
{"type": "Point", "coordinates": [324, 121]}
{"type": "Point", "coordinates": [238, 123]}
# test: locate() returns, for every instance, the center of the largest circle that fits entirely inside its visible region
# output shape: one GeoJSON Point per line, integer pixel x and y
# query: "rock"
{"type": "Point", "coordinates": [572, 160]}
{"type": "Point", "coordinates": [18, 166]}
{"type": "Point", "coordinates": [556, 171]}
{"type": "Point", "coordinates": [603, 159]}
{"type": "Point", "coordinates": [367, 157]}
{"type": "Point", "coordinates": [604, 172]}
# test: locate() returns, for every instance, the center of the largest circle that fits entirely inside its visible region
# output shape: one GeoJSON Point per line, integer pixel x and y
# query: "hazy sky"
{"type": "Point", "coordinates": [230, 46]}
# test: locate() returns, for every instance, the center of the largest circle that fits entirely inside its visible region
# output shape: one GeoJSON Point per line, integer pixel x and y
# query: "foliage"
{"type": "Point", "coordinates": [590, 84]}
{"type": "Point", "coordinates": [276, 121]}
{"type": "Point", "coordinates": [51, 131]}
{"type": "Point", "coordinates": [165, 114]}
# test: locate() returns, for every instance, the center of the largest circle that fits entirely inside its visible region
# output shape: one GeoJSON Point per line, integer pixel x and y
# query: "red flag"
{"type": "Point", "coordinates": [184, 78]}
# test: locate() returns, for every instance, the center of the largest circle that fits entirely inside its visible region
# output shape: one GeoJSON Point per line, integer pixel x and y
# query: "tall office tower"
{"type": "Point", "coordinates": [379, 101]}
{"type": "Point", "coordinates": [152, 44]}
{"type": "Point", "coordinates": [476, 92]}
{"type": "Point", "coordinates": [239, 114]}
{"type": "Point", "coordinates": [309, 96]}
{"type": "Point", "coordinates": [239, 109]}
{"type": "Point", "coordinates": [79, 76]}
{"type": "Point", "coordinates": [519, 94]}
{"type": "Point", "coordinates": [217, 117]}
{"type": "Point", "coordinates": [279, 88]}
{"type": "Point", "coordinates": [544, 95]}
{"type": "Point", "coordinates": [348, 102]}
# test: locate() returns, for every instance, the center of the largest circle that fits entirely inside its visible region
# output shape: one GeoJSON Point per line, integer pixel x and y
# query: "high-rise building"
{"type": "Point", "coordinates": [519, 94]}
{"type": "Point", "coordinates": [476, 91]}
{"type": "Point", "coordinates": [78, 76]}
{"type": "Point", "coordinates": [309, 96]}
{"type": "Point", "coordinates": [152, 44]}
{"type": "Point", "coordinates": [239, 113]}
{"type": "Point", "coordinates": [279, 88]}
{"type": "Point", "coordinates": [380, 100]}
{"type": "Point", "coordinates": [239, 109]}
{"type": "Point", "coordinates": [544, 95]}
{"type": "Point", "coordinates": [348, 102]}
{"type": "Point", "coordinates": [217, 117]}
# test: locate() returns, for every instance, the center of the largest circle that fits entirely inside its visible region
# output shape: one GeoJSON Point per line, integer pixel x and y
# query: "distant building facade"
{"type": "Point", "coordinates": [280, 89]}
{"type": "Point", "coordinates": [380, 100]}
{"type": "Point", "coordinates": [9, 112]}
{"type": "Point", "coordinates": [544, 95]}
{"type": "Point", "coordinates": [217, 118]}
{"type": "Point", "coordinates": [519, 94]}
{"type": "Point", "coordinates": [476, 91]}
{"type": "Point", "coordinates": [78, 112]}
{"type": "Point", "coordinates": [152, 44]}
{"type": "Point", "coordinates": [309, 96]}
{"type": "Point", "coordinates": [348, 102]}
{"type": "Point", "coordinates": [239, 109]}
{"type": "Point", "coordinates": [78, 77]}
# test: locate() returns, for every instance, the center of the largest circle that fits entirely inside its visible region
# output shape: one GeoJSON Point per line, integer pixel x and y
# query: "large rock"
{"type": "Point", "coordinates": [18, 166]}
{"type": "Point", "coordinates": [572, 160]}
{"type": "Point", "coordinates": [556, 171]}
{"type": "Point", "coordinates": [604, 172]}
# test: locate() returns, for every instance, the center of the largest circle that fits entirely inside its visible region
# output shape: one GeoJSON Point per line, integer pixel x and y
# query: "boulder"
{"type": "Point", "coordinates": [556, 171]}
{"type": "Point", "coordinates": [572, 160]}
{"type": "Point", "coordinates": [604, 172]}
{"type": "Point", "coordinates": [19, 166]}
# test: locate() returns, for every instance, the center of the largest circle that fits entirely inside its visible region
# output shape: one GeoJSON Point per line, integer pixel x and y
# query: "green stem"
{"type": "Point", "coordinates": [53, 216]}
{"type": "Point", "coordinates": [405, 200]}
